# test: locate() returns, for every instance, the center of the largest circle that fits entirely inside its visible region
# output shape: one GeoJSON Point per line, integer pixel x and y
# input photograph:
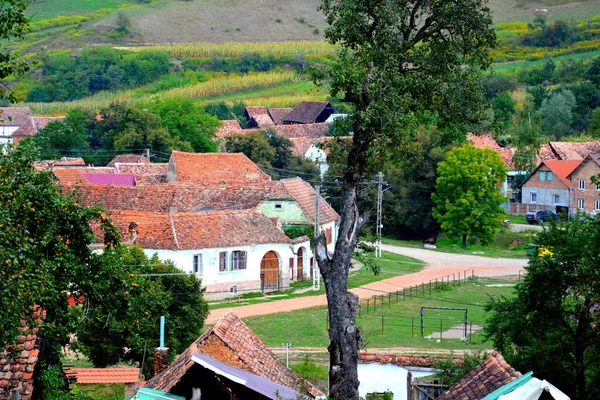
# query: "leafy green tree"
{"type": "Point", "coordinates": [45, 253]}
{"type": "Point", "coordinates": [129, 335]}
{"type": "Point", "coordinates": [525, 131]}
{"type": "Point", "coordinates": [393, 65]}
{"type": "Point", "coordinates": [64, 137]}
{"type": "Point", "coordinates": [593, 72]}
{"type": "Point", "coordinates": [254, 145]}
{"type": "Point", "coordinates": [552, 325]}
{"type": "Point", "coordinates": [494, 84]}
{"type": "Point", "coordinates": [594, 126]}
{"type": "Point", "coordinates": [504, 108]}
{"type": "Point", "coordinates": [123, 23]}
{"type": "Point", "coordinates": [223, 111]}
{"type": "Point", "coordinates": [557, 113]}
{"type": "Point", "coordinates": [467, 199]}
{"type": "Point", "coordinates": [13, 24]}
{"type": "Point", "coordinates": [187, 121]}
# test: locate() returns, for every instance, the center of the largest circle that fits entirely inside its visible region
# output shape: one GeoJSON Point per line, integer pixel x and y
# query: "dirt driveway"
{"type": "Point", "coordinates": [437, 265]}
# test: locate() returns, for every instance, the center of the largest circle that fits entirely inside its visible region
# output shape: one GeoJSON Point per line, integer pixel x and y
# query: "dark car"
{"type": "Point", "coordinates": [534, 217]}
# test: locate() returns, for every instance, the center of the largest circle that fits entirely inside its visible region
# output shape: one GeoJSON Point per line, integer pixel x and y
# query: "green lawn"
{"type": "Point", "coordinates": [390, 265]}
{"type": "Point", "coordinates": [308, 327]}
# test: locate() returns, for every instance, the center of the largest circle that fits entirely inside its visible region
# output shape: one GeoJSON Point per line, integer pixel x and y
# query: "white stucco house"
{"type": "Point", "coordinates": [232, 251]}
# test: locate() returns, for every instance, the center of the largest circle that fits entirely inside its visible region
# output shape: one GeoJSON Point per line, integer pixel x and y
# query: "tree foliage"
{"type": "Point", "coordinates": [552, 325]}
{"type": "Point", "coordinates": [130, 334]}
{"type": "Point", "coordinates": [557, 113]}
{"type": "Point", "coordinates": [467, 199]}
{"type": "Point", "coordinates": [13, 24]}
{"type": "Point", "coordinates": [45, 252]}
{"type": "Point", "coordinates": [396, 60]}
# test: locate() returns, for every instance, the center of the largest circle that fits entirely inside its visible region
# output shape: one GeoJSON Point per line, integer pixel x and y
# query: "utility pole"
{"type": "Point", "coordinates": [316, 280]}
{"type": "Point", "coordinates": [148, 154]}
{"type": "Point", "coordinates": [379, 214]}
{"type": "Point", "coordinates": [287, 346]}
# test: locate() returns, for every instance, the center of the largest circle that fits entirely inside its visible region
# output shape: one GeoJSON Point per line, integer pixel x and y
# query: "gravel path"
{"type": "Point", "coordinates": [437, 265]}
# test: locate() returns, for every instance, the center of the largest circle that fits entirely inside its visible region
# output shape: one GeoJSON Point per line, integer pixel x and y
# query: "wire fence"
{"type": "Point", "coordinates": [371, 305]}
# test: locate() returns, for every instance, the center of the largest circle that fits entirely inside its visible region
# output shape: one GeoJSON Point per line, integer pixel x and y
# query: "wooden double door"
{"type": "Point", "coordinates": [269, 272]}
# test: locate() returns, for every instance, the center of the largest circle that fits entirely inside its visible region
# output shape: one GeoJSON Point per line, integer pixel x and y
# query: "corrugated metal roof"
{"type": "Point", "coordinates": [252, 381]}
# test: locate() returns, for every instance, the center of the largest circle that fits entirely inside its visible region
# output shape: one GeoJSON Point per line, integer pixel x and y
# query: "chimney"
{"type": "Point", "coordinates": [160, 359]}
{"type": "Point", "coordinates": [133, 232]}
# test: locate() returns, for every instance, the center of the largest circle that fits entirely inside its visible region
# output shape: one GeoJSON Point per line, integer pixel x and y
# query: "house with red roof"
{"type": "Point", "coordinates": [230, 361]}
{"type": "Point", "coordinates": [548, 186]}
{"type": "Point", "coordinates": [18, 123]}
{"type": "Point", "coordinates": [584, 193]}
{"type": "Point", "coordinates": [233, 251]}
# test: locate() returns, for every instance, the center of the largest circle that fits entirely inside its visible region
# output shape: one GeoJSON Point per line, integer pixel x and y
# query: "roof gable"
{"type": "Point", "coordinates": [484, 379]}
{"type": "Point", "coordinates": [574, 150]}
{"type": "Point", "coordinates": [308, 112]}
{"type": "Point", "coordinates": [215, 168]}
{"type": "Point", "coordinates": [590, 158]}
{"type": "Point", "coordinates": [230, 341]}
{"type": "Point", "coordinates": [305, 197]}
{"type": "Point", "coordinates": [277, 114]}
{"type": "Point", "coordinates": [561, 168]}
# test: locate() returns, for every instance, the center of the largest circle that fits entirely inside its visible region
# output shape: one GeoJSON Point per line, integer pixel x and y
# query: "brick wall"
{"type": "Point", "coordinates": [590, 193]}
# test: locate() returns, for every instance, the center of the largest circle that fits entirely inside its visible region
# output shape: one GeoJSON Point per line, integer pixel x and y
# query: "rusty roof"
{"type": "Point", "coordinates": [104, 375]}
{"type": "Point", "coordinates": [486, 140]}
{"type": "Point", "coordinates": [231, 124]}
{"type": "Point", "coordinates": [488, 376]}
{"type": "Point", "coordinates": [574, 150]}
{"type": "Point", "coordinates": [305, 197]}
{"type": "Point", "coordinates": [230, 341]}
{"type": "Point", "coordinates": [145, 173]}
{"type": "Point", "coordinates": [41, 122]}
{"type": "Point", "coordinates": [216, 168]}
{"type": "Point", "coordinates": [128, 158]}
{"type": "Point", "coordinates": [199, 230]}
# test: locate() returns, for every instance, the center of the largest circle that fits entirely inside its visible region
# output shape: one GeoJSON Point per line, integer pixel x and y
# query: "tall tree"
{"type": "Point", "coordinates": [557, 113]}
{"type": "Point", "coordinates": [13, 24]}
{"type": "Point", "coordinates": [467, 199]}
{"type": "Point", "coordinates": [396, 60]}
{"type": "Point", "coordinates": [63, 137]}
{"type": "Point", "coordinates": [45, 252]}
{"type": "Point", "coordinates": [552, 325]}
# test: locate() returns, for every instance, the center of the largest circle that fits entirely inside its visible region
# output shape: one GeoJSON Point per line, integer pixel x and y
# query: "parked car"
{"type": "Point", "coordinates": [534, 217]}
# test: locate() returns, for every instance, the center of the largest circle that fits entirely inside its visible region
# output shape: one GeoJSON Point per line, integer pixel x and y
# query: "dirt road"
{"type": "Point", "coordinates": [437, 265]}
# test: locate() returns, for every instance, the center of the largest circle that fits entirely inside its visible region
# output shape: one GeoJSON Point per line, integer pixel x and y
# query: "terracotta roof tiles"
{"type": "Point", "coordinates": [491, 374]}
{"type": "Point", "coordinates": [215, 168]}
{"type": "Point", "coordinates": [41, 122]}
{"type": "Point", "coordinates": [562, 168]}
{"type": "Point", "coordinates": [105, 375]}
{"type": "Point", "coordinates": [145, 173]}
{"type": "Point", "coordinates": [232, 342]}
{"type": "Point", "coordinates": [15, 116]}
{"type": "Point", "coordinates": [187, 231]}
{"type": "Point", "coordinates": [305, 195]}
{"type": "Point", "coordinates": [277, 114]}
{"type": "Point", "coordinates": [128, 158]}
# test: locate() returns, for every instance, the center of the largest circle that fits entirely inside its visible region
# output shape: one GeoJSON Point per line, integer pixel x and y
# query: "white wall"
{"type": "Point", "coordinates": [385, 377]}
{"type": "Point", "coordinates": [545, 196]}
{"type": "Point", "coordinates": [319, 157]}
{"type": "Point", "coordinates": [213, 279]}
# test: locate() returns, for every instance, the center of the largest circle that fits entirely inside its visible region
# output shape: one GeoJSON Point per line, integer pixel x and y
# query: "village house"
{"type": "Point", "coordinates": [229, 361]}
{"type": "Point", "coordinates": [18, 123]}
{"type": "Point", "coordinates": [310, 112]}
{"type": "Point", "coordinates": [238, 215]}
{"type": "Point", "coordinates": [584, 193]}
{"type": "Point", "coordinates": [548, 186]}
{"type": "Point", "coordinates": [233, 251]}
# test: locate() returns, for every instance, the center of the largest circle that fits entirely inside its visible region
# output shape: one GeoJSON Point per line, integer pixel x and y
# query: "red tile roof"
{"type": "Point", "coordinates": [486, 140]}
{"type": "Point", "coordinates": [27, 129]}
{"type": "Point", "coordinates": [277, 114]}
{"type": "Point", "coordinates": [574, 150]}
{"type": "Point", "coordinates": [15, 116]}
{"type": "Point", "coordinates": [182, 197]}
{"type": "Point", "coordinates": [491, 374]}
{"type": "Point", "coordinates": [232, 342]}
{"type": "Point", "coordinates": [201, 230]}
{"type": "Point", "coordinates": [317, 130]}
{"type": "Point", "coordinates": [128, 158]}
{"type": "Point", "coordinates": [105, 375]}
{"type": "Point", "coordinates": [144, 173]}
{"type": "Point", "coordinates": [215, 168]}
{"type": "Point", "coordinates": [403, 360]}
{"type": "Point", "coordinates": [562, 168]}
{"type": "Point", "coordinates": [258, 117]}
{"type": "Point", "coordinates": [41, 122]}
{"type": "Point", "coordinates": [70, 176]}
{"type": "Point", "coordinates": [231, 124]}
{"type": "Point", "coordinates": [305, 196]}
{"type": "Point", "coordinates": [16, 374]}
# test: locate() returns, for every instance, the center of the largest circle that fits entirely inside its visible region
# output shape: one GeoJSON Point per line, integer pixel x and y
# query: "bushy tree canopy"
{"type": "Point", "coordinates": [467, 198]}
{"type": "Point", "coordinates": [552, 326]}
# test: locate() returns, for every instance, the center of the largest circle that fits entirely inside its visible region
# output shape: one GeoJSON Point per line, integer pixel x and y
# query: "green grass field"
{"type": "Point", "coordinates": [308, 328]}
{"type": "Point", "coordinates": [45, 9]}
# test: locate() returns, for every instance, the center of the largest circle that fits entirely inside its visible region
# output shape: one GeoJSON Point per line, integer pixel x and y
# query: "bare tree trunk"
{"type": "Point", "coordinates": [342, 305]}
